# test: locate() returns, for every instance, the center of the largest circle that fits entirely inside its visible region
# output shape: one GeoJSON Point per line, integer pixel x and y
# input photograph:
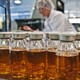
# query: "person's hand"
{"type": "Point", "coordinates": [27, 28]}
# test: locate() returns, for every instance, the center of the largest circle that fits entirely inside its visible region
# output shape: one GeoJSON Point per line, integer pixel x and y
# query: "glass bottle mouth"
{"type": "Point", "coordinates": [19, 35]}
{"type": "Point", "coordinates": [53, 35]}
{"type": "Point", "coordinates": [36, 35]}
{"type": "Point", "coordinates": [77, 35]}
{"type": "Point", "coordinates": [67, 36]}
{"type": "Point", "coordinates": [5, 35]}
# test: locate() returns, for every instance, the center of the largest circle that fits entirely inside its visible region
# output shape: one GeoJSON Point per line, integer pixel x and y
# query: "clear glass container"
{"type": "Point", "coordinates": [77, 45]}
{"type": "Point", "coordinates": [67, 57]}
{"type": "Point", "coordinates": [36, 57]}
{"type": "Point", "coordinates": [18, 51]}
{"type": "Point", "coordinates": [5, 55]}
{"type": "Point", "coordinates": [51, 45]}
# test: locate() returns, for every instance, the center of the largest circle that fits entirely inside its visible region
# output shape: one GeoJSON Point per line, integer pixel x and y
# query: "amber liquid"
{"type": "Point", "coordinates": [79, 64]}
{"type": "Point", "coordinates": [51, 64]}
{"type": "Point", "coordinates": [36, 64]}
{"type": "Point", "coordinates": [4, 63]}
{"type": "Point", "coordinates": [18, 67]}
{"type": "Point", "coordinates": [67, 67]}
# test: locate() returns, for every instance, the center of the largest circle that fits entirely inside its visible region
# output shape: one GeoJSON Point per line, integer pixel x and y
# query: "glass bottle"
{"type": "Point", "coordinates": [67, 57]}
{"type": "Point", "coordinates": [36, 57]}
{"type": "Point", "coordinates": [52, 43]}
{"type": "Point", "coordinates": [5, 55]}
{"type": "Point", "coordinates": [18, 51]}
{"type": "Point", "coordinates": [77, 45]}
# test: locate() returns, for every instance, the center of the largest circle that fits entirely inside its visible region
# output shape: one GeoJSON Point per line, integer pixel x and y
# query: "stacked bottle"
{"type": "Point", "coordinates": [5, 55]}
{"type": "Point", "coordinates": [51, 45]}
{"type": "Point", "coordinates": [67, 57]}
{"type": "Point", "coordinates": [18, 52]}
{"type": "Point", "coordinates": [36, 57]}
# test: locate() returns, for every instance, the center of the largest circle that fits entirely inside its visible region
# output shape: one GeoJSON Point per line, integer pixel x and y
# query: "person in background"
{"type": "Point", "coordinates": [54, 20]}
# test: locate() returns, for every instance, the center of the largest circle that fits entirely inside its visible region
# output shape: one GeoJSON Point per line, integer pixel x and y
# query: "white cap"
{"type": "Point", "coordinates": [67, 36]}
{"type": "Point", "coordinates": [77, 35]}
{"type": "Point", "coordinates": [53, 35]}
{"type": "Point", "coordinates": [36, 35]}
{"type": "Point", "coordinates": [18, 35]}
{"type": "Point", "coordinates": [5, 35]}
{"type": "Point", "coordinates": [45, 3]}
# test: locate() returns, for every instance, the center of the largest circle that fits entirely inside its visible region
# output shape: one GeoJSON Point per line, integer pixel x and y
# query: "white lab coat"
{"type": "Point", "coordinates": [58, 22]}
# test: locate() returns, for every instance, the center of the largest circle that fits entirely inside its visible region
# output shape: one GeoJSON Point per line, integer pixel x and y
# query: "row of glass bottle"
{"type": "Point", "coordinates": [29, 56]}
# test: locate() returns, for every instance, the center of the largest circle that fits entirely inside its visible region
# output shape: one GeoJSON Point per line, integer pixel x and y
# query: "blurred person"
{"type": "Point", "coordinates": [54, 20]}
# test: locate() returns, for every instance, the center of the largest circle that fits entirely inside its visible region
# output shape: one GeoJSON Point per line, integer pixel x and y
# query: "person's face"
{"type": "Point", "coordinates": [44, 11]}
